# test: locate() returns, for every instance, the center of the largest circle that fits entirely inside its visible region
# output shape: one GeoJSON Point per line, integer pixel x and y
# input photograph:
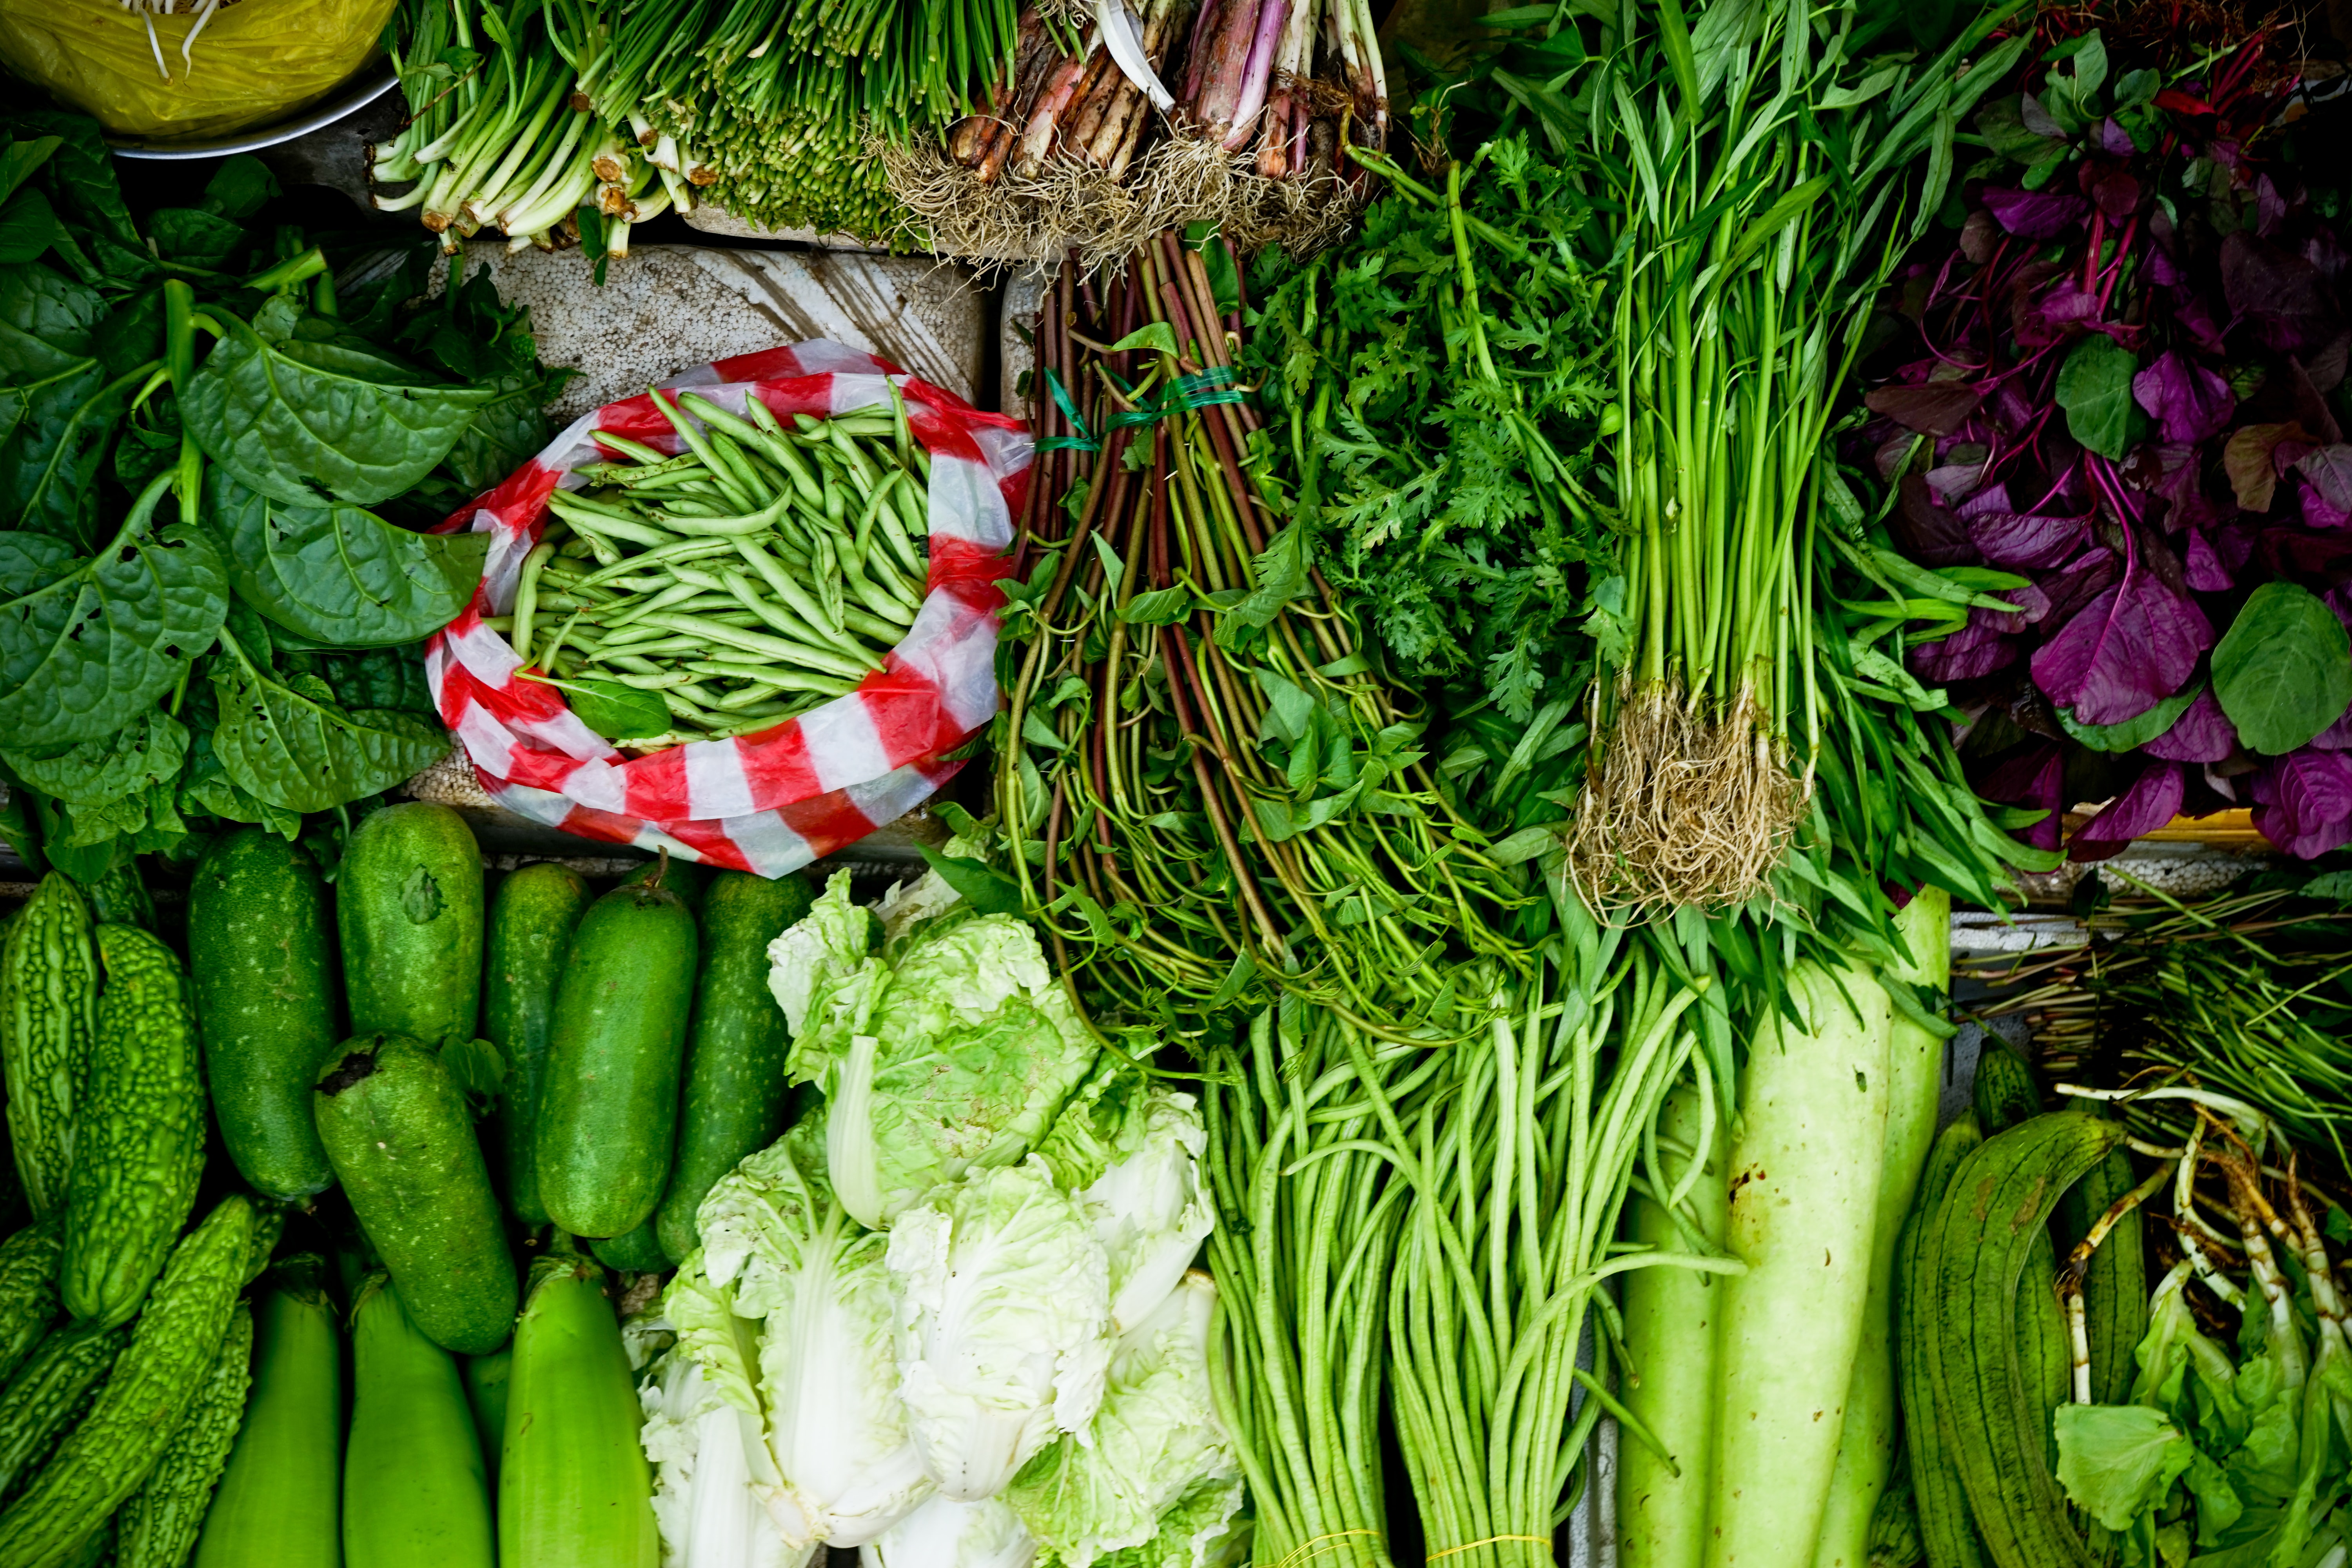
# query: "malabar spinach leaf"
{"type": "Point", "coordinates": [298, 751]}
{"type": "Point", "coordinates": [296, 408]}
{"type": "Point", "coordinates": [338, 574]}
{"type": "Point", "coordinates": [87, 642]}
{"type": "Point", "coordinates": [148, 751]}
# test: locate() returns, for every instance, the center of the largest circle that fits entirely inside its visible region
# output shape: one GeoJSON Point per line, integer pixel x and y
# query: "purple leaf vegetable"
{"type": "Point", "coordinates": [2189, 401]}
{"type": "Point", "coordinates": [2202, 735]}
{"type": "Point", "coordinates": [2303, 803]}
{"type": "Point", "coordinates": [2036, 214]}
{"type": "Point", "coordinates": [2153, 800]}
{"type": "Point", "coordinates": [2124, 653]}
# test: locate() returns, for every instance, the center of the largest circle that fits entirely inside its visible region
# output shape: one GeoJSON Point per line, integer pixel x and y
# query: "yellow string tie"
{"type": "Point", "coordinates": [1543, 1541]}
{"type": "Point", "coordinates": [1309, 1547]}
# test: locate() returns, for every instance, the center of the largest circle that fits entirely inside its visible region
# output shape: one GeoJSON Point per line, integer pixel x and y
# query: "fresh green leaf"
{"type": "Point", "coordinates": [2282, 672]}
{"type": "Point", "coordinates": [1158, 337]}
{"type": "Point", "coordinates": [2094, 388]}
{"type": "Point", "coordinates": [2118, 1461]}
{"type": "Point", "coordinates": [85, 643]}
{"type": "Point", "coordinates": [339, 574]}
{"type": "Point", "coordinates": [239, 188]}
{"type": "Point", "coordinates": [148, 751]}
{"type": "Point", "coordinates": [420, 897]}
{"type": "Point", "coordinates": [1278, 575]}
{"type": "Point", "coordinates": [27, 228]}
{"type": "Point", "coordinates": [1157, 608]}
{"type": "Point", "coordinates": [478, 1067]}
{"type": "Point", "coordinates": [613, 710]}
{"type": "Point", "coordinates": [19, 158]}
{"type": "Point", "coordinates": [294, 752]}
{"type": "Point", "coordinates": [2132, 733]}
{"type": "Point", "coordinates": [296, 408]}
{"type": "Point", "coordinates": [984, 887]}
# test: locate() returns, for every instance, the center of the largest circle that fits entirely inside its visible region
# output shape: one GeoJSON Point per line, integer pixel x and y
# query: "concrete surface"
{"type": "Point", "coordinates": [663, 308]}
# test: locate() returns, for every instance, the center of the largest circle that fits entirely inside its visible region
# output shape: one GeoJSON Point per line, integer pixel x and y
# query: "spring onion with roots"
{"type": "Point", "coordinates": [1765, 187]}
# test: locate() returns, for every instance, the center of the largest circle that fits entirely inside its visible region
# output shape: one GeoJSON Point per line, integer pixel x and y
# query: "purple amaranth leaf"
{"type": "Point", "coordinates": [2303, 802]}
{"type": "Point", "coordinates": [2208, 574]}
{"type": "Point", "coordinates": [2281, 293]}
{"type": "Point", "coordinates": [1936, 408]}
{"type": "Point", "coordinates": [2326, 364]}
{"type": "Point", "coordinates": [2270, 207]}
{"type": "Point", "coordinates": [2034, 779]}
{"type": "Point", "coordinates": [2114, 139]}
{"type": "Point", "coordinates": [2318, 511]}
{"type": "Point", "coordinates": [2202, 735]}
{"type": "Point", "coordinates": [2115, 193]}
{"type": "Point", "coordinates": [1928, 532]}
{"type": "Point", "coordinates": [2192, 314]}
{"type": "Point", "coordinates": [2153, 800]}
{"type": "Point", "coordinates": [1978, 649]}
{"type": "Point", "coordinates": [2085, 580]}
{"type": "Point", "coordinates": [1956, 483]}
{"type": "Point", "coordinates": [2054, 315]}
{"type": "Point", "coordinates": [2127, 650]}
{"type": "Point", "coordinates": [1980, 235]}
{"type": "Point", "coordinates": [2036, 214]}
{"type": "Point", "coordinates": [2337, 737]}
{"type": "Point", "coordinates": [2246, 458]}
{"type": "Point", "coordinates": [2190, 401]}
{"type": "Point", "coordinates": [2035, 117]}
{"type": "Point", "coordinates": [2329, 469]}
{"type": "Point", "coordinates": [2027, 542]}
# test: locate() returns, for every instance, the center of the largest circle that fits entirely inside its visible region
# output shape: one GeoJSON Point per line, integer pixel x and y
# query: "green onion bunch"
{"type": "Point", "coordinates": [764, 570]}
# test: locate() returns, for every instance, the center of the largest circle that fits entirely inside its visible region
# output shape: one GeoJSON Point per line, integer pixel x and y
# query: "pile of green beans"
{"type": "Point", "coordinates": [762, 571]}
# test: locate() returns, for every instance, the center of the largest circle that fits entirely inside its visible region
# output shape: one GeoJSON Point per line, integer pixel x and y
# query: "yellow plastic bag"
{"type": "Point", "coordinates": [255, 61]}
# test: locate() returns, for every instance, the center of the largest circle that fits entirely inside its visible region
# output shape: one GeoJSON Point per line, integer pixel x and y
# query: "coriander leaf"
{"type": "Point", "coordinates": [296, 408]}
{"type": "Point", "coordinates": [338, 574]}
{"type": "Point", "coordinates": [87, 642]}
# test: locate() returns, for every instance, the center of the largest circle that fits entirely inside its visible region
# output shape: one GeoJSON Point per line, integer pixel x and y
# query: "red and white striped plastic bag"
{"type": "Point", "coordinates": [769, 802]}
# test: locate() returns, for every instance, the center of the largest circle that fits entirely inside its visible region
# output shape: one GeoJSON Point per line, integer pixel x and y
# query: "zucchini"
{"type": "Point", "coordinates": [1914, 1068]}
{"type": "Point", "coordinates": [1993, 1220]}
{"type": "Point", "coordinates": [158, 1527]}
{"type": "Point", "coordinates": [47, 1395]}
{"type": "Point", "coordinates": [120, 898]}
{"type": "Point", "coordinates": [141, 1140]}
{"type": "Point", "coordinates": [1940, 1501]}
{"type": "Point", "coordinates": [29, 1289]}
{"type": "Point", "coordinates": [486, 1394]}
{"type": "Point", "coordinates": [733, 1103]}
{"type": "Point", "coordinates": [413, 1493]}
{"type": "Point", "coordinates": [260, 963]}
{"type": "Point", "coordinates": [531, 921]}
{"type": "Point", "coordinates": [48, 1019]}
{"type": "Point", "coordinates": [408, 904]}
{"type": "Point", "coordinates": [277, 1500]}
{"type": "Point", "coordinates": [140, 1409]}
{"type": "Point", "coordinates": [397, 1131]}
{"type": "Point", "coordinates": [1805, 1168]}
{"type": "Point", "coordinates": [574, 1489]}
{"type": "Point", "coordinates": [609, 1121]}
{"type": "Point", "coordinates": [1669, 1346]}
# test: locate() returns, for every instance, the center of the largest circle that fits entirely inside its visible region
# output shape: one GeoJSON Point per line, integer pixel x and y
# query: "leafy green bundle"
{"type": "Point", "coordinates": [243, 655]}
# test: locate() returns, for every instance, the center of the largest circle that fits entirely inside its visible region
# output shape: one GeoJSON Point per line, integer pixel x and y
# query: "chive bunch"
{"type": "Point", "coordinates": [762, 571]}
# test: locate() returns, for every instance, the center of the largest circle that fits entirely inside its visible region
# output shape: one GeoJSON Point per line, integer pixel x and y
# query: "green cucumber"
{"type": "Point", "coordinates": [140, 1407]}
{"type": "Point", "coordinates": [735, 1082]}
{"type": "Point", "coordinates": [486, 1393]}
{"type": "Point", "coordinates": [158, 1527]}
{"type": "Point", "coordinates": [638, 1251]}
{"type": "Point", "coordinates": [1992, 1223]}
{"type": "Point", "coordinates": [609, 1121]}
{"type": "Point", "coordinates": [29, 1289]}
{"type": "Point", "coordinates": [49, 1020]}
{"type": "Point", "coordinates": [413, 1493]}
{"type": "Point", "coordinates": [276, 1501]}
{"type": "Point", "coordinates": [139, 1140]}
{"type": "Point", "coordinates": [574, 1489]}
{"type": "Point", "coordinates": [408, 904]}
{"type": "Point", "coordinates": [689, 879]}
{"type": "Point", "coordinates": [260, 963]}
{"type": "Point", "coordinates": [532, 921]}
{"type": "Point", "coordinates": [398, 1133]}
{"type": "Point", "coordinates": [47, 1395]}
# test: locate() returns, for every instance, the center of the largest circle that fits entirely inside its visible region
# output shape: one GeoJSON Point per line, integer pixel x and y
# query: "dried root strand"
{"type": "Point", "coordinates": [1684, 808]}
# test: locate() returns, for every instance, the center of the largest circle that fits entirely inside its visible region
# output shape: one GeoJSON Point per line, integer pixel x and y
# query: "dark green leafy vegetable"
{"type": "Point", "coordinates": [289, 745]}
{"type": "Point", "coordinates": [2282, 672]}
{"type": "Point", "coordinates": [340, 574]}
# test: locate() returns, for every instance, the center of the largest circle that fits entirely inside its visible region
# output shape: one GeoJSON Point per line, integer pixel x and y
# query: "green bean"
{"type": "Point", "coordinates": [602, 524]}
{"type": "Point", "coordinates": [728, 458]}
{"type": "Point", "coordinates": [547, 661]}
{"type": "Point", "coordinates": [751, 522]}
{"type": "Point", "coordinates": [797, 626]}
{"type": "Point", "coordinates": [902, 435]}
{"type": "Point", "coordinates": [631, 475]}
{"type": "Point", "coordinates": [758, 642]}
{"type": "Point", "coordinates": [756, 695]}
{"type": "Point", "coordinates": [781, 447]}
{"type": "Point", "coordinates": [650, 455]}
{"type": "Point", "coordinates": [861, 469]}
{"type": "Point", "coordinates": [676, 593]}
{"type": "Point", "coordinates": [784, 679]}
{"type": "Point", "coordinates": [700, 444]}
{"type": "Point", "coordinates": [526, 600]}
{"type": "Point", "coordinates": [913, 501]}
{"type": "Point", "coordinates": [680, 549]}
